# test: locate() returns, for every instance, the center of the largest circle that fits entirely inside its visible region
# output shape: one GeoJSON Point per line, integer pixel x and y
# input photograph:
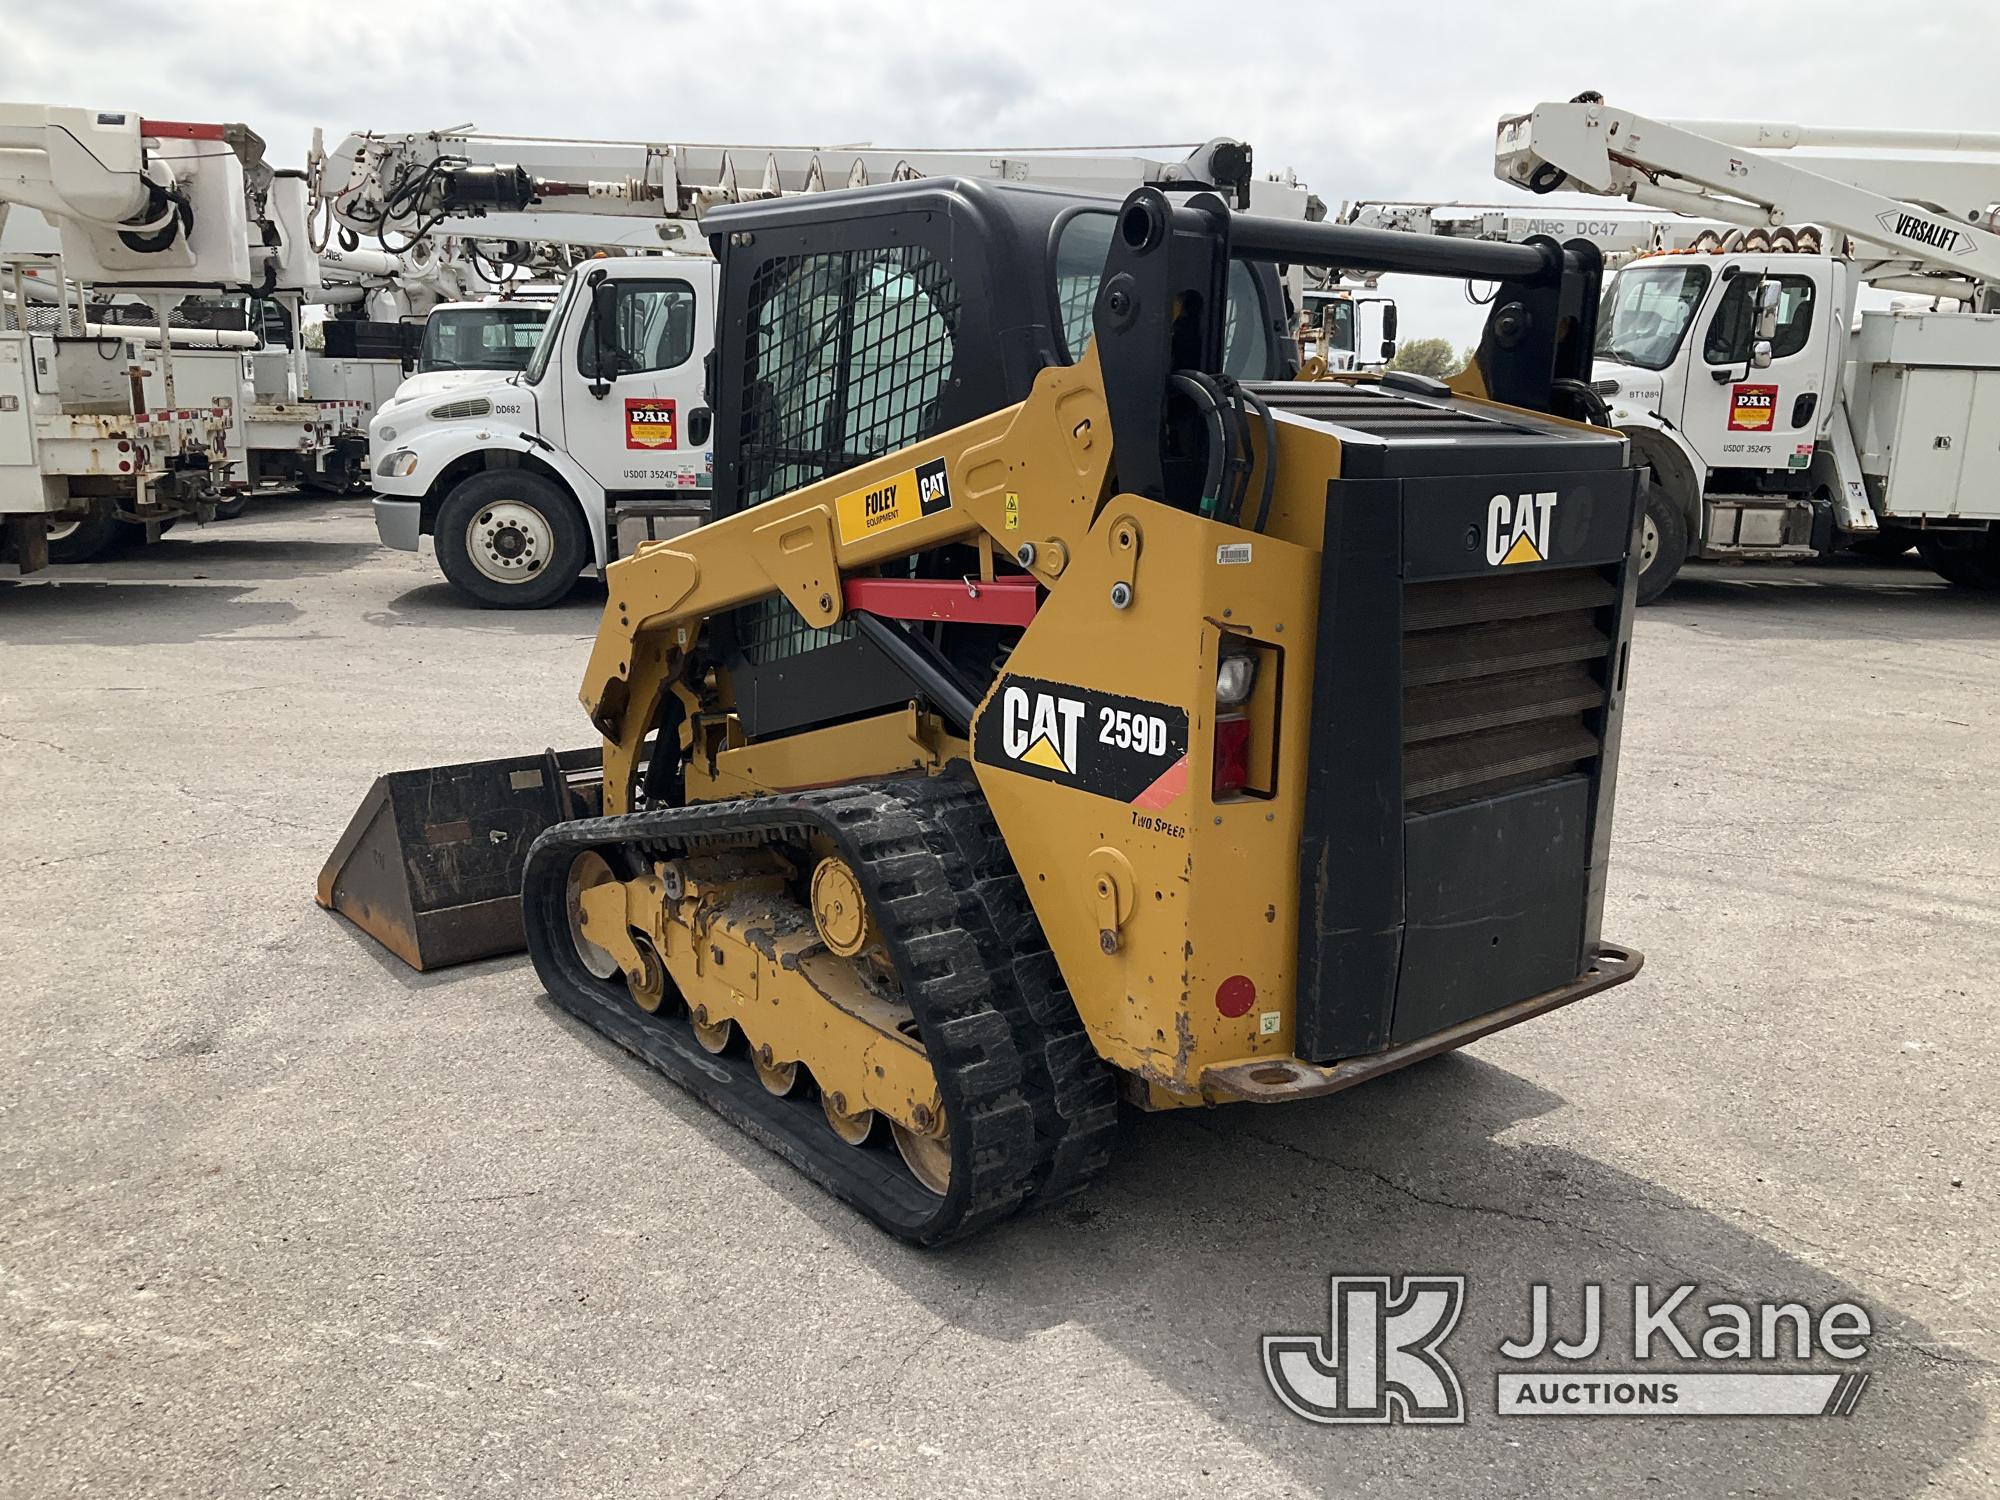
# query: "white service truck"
{"type": "Point", "coordinates": [1778, 419]}
{"type": "Point", "coordinates": [526, 480]}
{"type": "Point", "coordinates": [103, 434]}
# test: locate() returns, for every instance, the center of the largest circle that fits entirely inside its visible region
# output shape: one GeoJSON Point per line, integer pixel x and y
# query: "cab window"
{"type": "Point", "coordinates": [1081, 247]}
{"type": "Point", "coordinates": [1729, 332]}
{"type": "Point", "coordinates": [655, 330]}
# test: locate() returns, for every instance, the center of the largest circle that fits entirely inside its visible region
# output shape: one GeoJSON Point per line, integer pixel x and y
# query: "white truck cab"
{"type": "Point", "coordinates": [525, 479]}
{"type": "Point", "coordinates": [1347, 328]}
{"type": "Point", "coordinates": [1737, 423]}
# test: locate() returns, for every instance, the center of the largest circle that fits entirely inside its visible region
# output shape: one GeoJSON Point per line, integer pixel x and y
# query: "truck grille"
{"type": "Point", "coordinates": [1504, 682]}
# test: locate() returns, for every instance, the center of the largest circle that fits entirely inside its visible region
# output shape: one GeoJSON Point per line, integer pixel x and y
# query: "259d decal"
{"type": "Point", "coordinates": [1128, 749]}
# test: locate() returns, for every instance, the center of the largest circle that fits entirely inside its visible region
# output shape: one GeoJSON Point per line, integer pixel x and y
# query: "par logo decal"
{"type": "Point", "coordinates": [1752, 408]}
{"type": "Point", "coordinates": [1517, 528]}
{"type": "Point", "coordinates": [651, 423]}
{"type": "Point", "coordinates": [1128, 749]}
{"type": "Point", "coordinates": [895, 501]}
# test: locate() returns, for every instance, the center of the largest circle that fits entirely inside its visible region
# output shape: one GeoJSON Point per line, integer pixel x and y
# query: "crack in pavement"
{"type": "Point", "coordinates": [1588, 1231]}
{"type": "Point", "coordinates": [200, 798]}
{"type": "Point", "coordinates": [839, 1409]}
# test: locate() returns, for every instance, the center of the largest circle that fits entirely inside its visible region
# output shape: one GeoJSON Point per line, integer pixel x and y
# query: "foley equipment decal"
{"type": "Point", "coordinates": [1752, 408]}
{"type": "Point", "coordinates": [895, 501]}
{"type": "Point", "coordinates": [1128, 749]}
{"type": "Point", "coordinates": [651, 423]}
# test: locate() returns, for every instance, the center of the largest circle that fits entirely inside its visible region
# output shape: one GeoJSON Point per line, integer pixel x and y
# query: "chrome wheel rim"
{"type": "Point", "coordinates": [1649, 543]}
{"type": "Point", "coordinates": [509, 542]}
{"type": "Point", "coordinates": [62, 531]}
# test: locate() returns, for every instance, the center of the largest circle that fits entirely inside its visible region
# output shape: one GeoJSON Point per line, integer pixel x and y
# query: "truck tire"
{"type": "Point", "coordinates": [510, 539]}
{"type": "Point", "coordinates": [1970, 559]}
{"type": "Point", "coordinates": [87, 537]}
{"type": "Point", "coordinates": [229, 510]}
{"type": "Point", "coordinates": [1663, 541]}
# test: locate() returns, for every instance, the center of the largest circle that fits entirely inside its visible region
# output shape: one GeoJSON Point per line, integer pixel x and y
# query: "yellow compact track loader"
{"type": "Point", "coordinates": [1067, 702]}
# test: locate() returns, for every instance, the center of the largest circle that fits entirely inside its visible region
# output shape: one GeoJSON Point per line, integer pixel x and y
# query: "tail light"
{"type": "Point", "coordinates": [1246, 713]}
{"type": "Point", "coordinates": [1232, 755]}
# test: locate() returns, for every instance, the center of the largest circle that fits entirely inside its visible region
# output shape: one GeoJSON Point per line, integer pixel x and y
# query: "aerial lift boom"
{"type": "Point", "coordinates": [1815, 429]}
{"type": "Point", "coordinates": [1919, 223]}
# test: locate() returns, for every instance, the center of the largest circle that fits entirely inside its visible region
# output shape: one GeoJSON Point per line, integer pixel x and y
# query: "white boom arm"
{"type": "Point", "coordinates": [1617, 233]}
{"type": "Point", "coordinates": [156, 203]}
{"type": "Point", "coordinates": [1918, 218]}
{"type": "Point", "coordinates": [377, 185]}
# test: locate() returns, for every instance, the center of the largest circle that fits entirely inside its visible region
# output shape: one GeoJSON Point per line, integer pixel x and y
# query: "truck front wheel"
{"type": "Point", "coordinates": [1663, 541]}
{"type": "Point", "coordinates": [510, 539]}
{"type": "Point", "coordinates": [1970, 559]}
{"type": "Point", "coordinates": [84, 538]}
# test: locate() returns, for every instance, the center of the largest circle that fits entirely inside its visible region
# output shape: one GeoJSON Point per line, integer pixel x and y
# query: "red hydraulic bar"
{"type": "Point", "coordinates": [1004, 601]}
{"type": "Point", "coordinates": [181, 130]}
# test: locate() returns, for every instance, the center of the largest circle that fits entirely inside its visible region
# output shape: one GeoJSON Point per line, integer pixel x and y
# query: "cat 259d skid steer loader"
{"type": "Point", "coordinates": [1067, 701]}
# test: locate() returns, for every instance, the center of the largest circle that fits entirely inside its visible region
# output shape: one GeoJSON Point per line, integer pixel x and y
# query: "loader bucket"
{"type": "Point", "coordinates": [430, 864]}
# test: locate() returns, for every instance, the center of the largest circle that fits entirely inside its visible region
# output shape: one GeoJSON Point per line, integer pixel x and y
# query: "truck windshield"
{"type": "Point", "coordinates": [538, 362]}
{"type": "Point", "coordinates": [1646, 312]}
{"type": "Point", "coordinates": [481, 338]}
{"type": "Point", "coordinates": [1334, 318]}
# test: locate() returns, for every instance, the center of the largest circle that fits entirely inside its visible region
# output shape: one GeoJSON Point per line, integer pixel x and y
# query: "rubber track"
{"type": "Point", "coordinates": [913, 844]}
{"type": "Point", "coordinates": [1072, 1091]}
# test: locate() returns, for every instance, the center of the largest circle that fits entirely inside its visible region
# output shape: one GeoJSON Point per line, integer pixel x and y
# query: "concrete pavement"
{"type": "Point", "coordinates": [283, 1217]}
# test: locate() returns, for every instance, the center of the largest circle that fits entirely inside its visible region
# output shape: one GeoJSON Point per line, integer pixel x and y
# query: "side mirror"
{"type": "Point", "coordinates": [1388, 329]}
{"type": "Point", "coordinates": [604, 351]}
{"type": "Point", "coordinates": [1388, 348]}
{"type": "Point", "coordinates": [1766, 325]}
{"type": "Point", "coordinates": [1760, 354]}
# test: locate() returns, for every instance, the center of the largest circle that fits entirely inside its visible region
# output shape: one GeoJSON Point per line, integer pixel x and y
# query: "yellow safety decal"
{"type": "Point", "coordinates": [895, 501]}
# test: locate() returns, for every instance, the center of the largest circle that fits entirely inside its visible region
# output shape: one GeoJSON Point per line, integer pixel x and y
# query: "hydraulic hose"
{"type": "Point", "coordinates": [1199, 389]}
{"type": "Point", "coordinates": [1263, 409]}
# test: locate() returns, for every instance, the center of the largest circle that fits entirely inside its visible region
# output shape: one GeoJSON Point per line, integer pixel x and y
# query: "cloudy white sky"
{"type": "Point", "coordinates": [1361, 100]}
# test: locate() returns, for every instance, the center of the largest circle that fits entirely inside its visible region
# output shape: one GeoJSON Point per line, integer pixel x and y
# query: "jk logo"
{"type": "Point", "coordinates": [1517, 528]}
{"type": "Point", "coordinates": [1379, 1361]}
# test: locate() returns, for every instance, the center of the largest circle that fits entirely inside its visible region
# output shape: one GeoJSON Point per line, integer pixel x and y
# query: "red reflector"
{"type": "Point", "coordinates": [1232, 756]}
{"type": "Point", "coordinates": [1235, 995]}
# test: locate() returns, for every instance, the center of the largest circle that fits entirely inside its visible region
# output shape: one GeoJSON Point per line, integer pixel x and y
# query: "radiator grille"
{"type": "Point", "coordinates": [1504, 682]}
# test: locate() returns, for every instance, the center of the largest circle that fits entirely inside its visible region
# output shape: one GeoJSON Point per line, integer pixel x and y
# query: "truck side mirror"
{"type": "Point", "coordinates": [1766, 325]}
{"type": "Point", "coordinates": [1388, 348]}
{"type": "Point", "coordinates": [604, 350]}
{"type": "Point", "coordinates": [1388, 329]}
{"type": "Point", "coordinates": [1760, 354]}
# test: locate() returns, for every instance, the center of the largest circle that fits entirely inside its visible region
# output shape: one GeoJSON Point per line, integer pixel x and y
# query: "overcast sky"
{"type": "Point", "coordinates": [1362, 101]}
